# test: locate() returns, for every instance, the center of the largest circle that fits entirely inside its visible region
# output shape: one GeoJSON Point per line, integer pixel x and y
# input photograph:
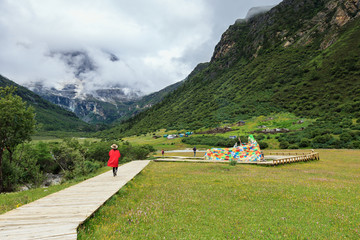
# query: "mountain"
{"type": "Point", "coordinates": [254, 12]}
{"type": "Point", "coordinates": [154, 98]}
{"type": "Point", "coordinates": [50, 116]}
{"type": "Point", "coordinates": [97, 106]}
{"type": "Point", "coordinates": [302, 57]}
{"type": "Point", "coordinates": [91, 99]}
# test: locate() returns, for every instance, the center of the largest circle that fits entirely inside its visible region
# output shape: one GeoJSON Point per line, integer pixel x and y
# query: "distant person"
{"type": "Point", "coordinates": [114, 155]}
{"type": "Point", "coordinates": [194, 149]}
{"type": "Point", "coordinates": [162, 152]}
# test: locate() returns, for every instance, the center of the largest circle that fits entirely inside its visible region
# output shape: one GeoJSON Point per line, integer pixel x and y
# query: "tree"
{"type": "Point", "coordinates": [17, 123]}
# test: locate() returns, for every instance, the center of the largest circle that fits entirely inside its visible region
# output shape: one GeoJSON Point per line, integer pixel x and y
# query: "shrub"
{"type": "Point", "coordinates": [337, 131]}
{"type": "Point", "coordinates": [11, 174]}
{"type": "Point", "coordinates": [322, 139]}
{"type": "Point", "coordinates": [346, 123]}
{"type": "Point", "coordinates": [260, 137]}
{"type": "Point", "coordinates": [83, 168]}
{"type": "Point", "coordinates": [41, 152]}
{"type": "Point", "coordinates": [263, 145]}
{"type": "Point", "coordinates": [30, 161]}
{"type": "Point", "coordinates": [232, 162]}
{"type": "Point", "coordinates": [345, 137]}
{"type": "Point", "coordinates": [305, 142]}
{"type": "Point", "coordinates": [66, 157]}
{"type": "Point", "coordinates": [355, 144]}
{"type": "Point", "coordinates": [98, 151]}
{"type": "Point", "coordinates": [21, 171]}
{"type": "Point", "coordinates": [293, 146]}
{"type": "Point", "coordinates": [284, 145]}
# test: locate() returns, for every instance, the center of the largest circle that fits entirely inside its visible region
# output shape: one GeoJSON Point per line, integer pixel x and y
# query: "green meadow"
{"type": "Point", "coordinates": [313, 200]}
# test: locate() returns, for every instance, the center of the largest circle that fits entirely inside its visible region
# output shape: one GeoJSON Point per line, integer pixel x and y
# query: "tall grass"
{"type": "Point", "coordinates": [315, 200]}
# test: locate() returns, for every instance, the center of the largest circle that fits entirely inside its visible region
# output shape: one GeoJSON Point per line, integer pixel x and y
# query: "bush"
{"type": "Point", "coordinates": [263, 145]}
{"type": "Point", "coordinates": [293, 146]}
{"type": "Point", "coordinates": [345, 137]}
{"type": "Point", "coordinates": [41, 152]}
{"type": "Point", "coordinates": [284, 145]}
{"type": "Point", "coordinates": [260, 137]}
{"type": "Point", "coordinates": [21, 171]}
{"type": "Point", "coordinates": [322, 139]}
{"type": "Point", "coordinates": [232, 162]}
{"type": "Point", "coordinates": [31, 161]}
{"type": "Point", "coordinates": [84, 168]}
{"type": "Point", "coordinates": [11, 174]}
{"type": "Point", "coordinates": [355, 144]}
{"type": "Point", "coordinates": [337, 131]}
{"type": "Point", "coordinates": [304, 142]}
{"type": "Point", "coordinates": [66, 157]}
{"type": "Point", "coordinates": [98, 152]}
{"type": "Point", "coordinates": [346, 123]}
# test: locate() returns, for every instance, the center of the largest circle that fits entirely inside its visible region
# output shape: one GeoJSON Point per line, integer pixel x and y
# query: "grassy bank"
{"type": "Point", "coordinates": [316, 200]}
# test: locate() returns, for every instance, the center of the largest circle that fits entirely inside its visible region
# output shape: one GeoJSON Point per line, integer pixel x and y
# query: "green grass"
{"type": "Point", "coordinates": [159, 143]}
{"type": "Point", "coordinates": [316, 200]}
{"type": "Point", "coordinates": [279, 120]}
{"type": "Point", "coordinates": [9, 201]}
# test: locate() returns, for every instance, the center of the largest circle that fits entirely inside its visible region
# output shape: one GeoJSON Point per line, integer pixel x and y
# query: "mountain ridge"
{"type": "Point", "coordinates": [50, 116]}
{"type": "Point", "coordinates": [255, 71]}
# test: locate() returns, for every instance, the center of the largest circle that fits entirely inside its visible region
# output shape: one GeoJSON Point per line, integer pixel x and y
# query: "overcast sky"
{"type": "Point", "coordinates": [141, 44]}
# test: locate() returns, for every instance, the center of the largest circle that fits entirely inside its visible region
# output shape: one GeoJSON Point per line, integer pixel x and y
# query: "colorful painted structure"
{"type": "Point", "coordinates": [249, 152]}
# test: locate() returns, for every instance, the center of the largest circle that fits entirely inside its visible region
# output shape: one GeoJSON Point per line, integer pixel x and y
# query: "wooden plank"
{"type": "Point", "coordinates": [58, 215]}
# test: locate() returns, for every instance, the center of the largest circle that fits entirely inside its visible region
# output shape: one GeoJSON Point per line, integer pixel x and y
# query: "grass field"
{"type": "Point", "coordinates": [314, 200]}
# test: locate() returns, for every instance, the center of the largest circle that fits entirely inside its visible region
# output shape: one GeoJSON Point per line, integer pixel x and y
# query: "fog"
{"type": "Point", "coordinates": [144, 45]}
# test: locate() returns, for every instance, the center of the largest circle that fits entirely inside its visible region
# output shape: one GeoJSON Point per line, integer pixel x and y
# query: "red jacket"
{"type": "Point", "coordinates": [114, 158]}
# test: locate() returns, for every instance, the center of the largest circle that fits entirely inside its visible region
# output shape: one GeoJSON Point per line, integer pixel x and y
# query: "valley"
{"type": "Point", "coordinates": [284, 80]}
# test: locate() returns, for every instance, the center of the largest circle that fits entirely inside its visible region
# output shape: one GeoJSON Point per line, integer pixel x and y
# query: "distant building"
{"type": "Point", "coordinates": [172, 136]}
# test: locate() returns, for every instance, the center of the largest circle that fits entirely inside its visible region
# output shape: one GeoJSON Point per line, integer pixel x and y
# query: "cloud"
{"type": "Point", "coordinates": [141, 44]}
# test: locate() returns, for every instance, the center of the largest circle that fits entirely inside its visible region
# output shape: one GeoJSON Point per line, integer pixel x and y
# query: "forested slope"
{"type": "Point", "coordinates": [302, 57]}
{"type": "Point", "coordinates": [50, 116]}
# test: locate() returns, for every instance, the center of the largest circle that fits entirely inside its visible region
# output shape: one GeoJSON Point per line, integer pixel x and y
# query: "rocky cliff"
{"type": "Point", "coordinates": [291, 22]}
{"type": "Point", "coordinates": [101, 105]}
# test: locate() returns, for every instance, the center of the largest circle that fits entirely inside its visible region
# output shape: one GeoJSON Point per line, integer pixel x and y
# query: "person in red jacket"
{"type": "Point", "coordinates": [114, 155]}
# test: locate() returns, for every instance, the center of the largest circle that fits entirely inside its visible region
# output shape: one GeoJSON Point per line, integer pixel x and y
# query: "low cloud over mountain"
{"type": "Point", "coordinates": [145, 45]}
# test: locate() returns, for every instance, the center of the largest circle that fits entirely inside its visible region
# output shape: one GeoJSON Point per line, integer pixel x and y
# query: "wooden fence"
{"type": "Point", "coordinates": [299, 157]}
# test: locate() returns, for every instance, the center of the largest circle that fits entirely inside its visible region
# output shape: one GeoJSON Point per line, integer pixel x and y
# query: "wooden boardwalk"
{"type": "Point", "coordinates": [289, 157]}
{"type": "Point", "coordinates": [271, 159]}
{"type": "Point", "coordinates": [58, 215]}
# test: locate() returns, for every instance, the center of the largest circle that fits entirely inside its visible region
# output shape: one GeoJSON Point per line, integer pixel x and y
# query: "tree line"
{"type": "Point", "coordinates": [23, 162]}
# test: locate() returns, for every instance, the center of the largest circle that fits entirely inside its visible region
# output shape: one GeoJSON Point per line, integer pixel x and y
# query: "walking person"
{"type": "Point", "coordinates": [162, 152]}
{"type": "Point", "coordinates": [114, 155]}
{"type": "Point", "coordinates": [194, 149]}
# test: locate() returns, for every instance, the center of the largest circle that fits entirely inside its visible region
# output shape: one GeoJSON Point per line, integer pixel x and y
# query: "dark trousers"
{"type": "Point", "coordinates": [115, 170]}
